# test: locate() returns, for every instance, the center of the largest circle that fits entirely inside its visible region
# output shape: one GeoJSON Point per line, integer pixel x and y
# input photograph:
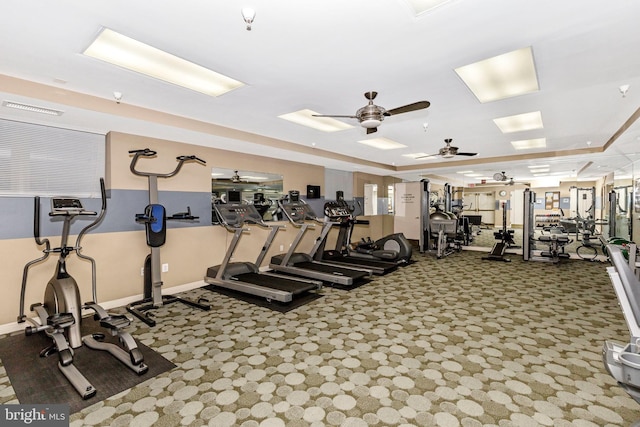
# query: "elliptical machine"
{"type": "Point", "coordinates": [391, 248]}
{"type": "Point", "coordinates": [60, 314]}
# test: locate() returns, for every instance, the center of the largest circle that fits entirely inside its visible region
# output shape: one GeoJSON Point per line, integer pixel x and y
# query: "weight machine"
{"type": "Point", "coordinates": [555, 241]}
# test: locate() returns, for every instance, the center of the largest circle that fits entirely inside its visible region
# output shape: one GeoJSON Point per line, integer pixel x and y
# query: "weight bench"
{"type": "Point", "coordinates": [623, 361]}
{"type": "Point", "coordinates": [556, 243]}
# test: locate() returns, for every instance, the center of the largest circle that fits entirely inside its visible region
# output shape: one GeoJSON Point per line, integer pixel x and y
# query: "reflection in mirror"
{"type": "Point", "coordinates": [623, 209]}
{"type": "Point", "coordinates": [258, 188]}
{"type": "Point", "coordinates": [371, 199]}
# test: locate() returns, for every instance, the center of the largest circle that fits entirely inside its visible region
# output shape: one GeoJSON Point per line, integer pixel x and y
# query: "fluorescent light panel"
{"type": "Point", "coordinates": [464, 172]}
{"type": "Point", "coordinates": [32, 108]}
{"type": "Point", "coordinates": [133, 55]}
{"type": "Point", "coordinates": [519, 122]}
{"type": "Point", "coordinates": [527, 144]}
{"type": "Point", "coordinates": [473, 175]}
{"type": "Point", "coordinates": [305, 118]}
{"type": "Point", "coordinates": [382, 143]}
{"type": "Point", "coordinates": [422, 6]}
{"type": "Point", "coordinates": [500, 77]}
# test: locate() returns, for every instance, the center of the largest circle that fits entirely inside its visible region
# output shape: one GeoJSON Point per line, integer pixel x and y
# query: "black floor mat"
{"type": "Point", "coordinates": [282, 307]}
{"type": "Point", "coordinates": [37, 380]}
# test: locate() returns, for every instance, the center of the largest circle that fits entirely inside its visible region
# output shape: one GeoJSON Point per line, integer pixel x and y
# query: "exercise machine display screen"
{"type": "Point", "coordinates": [65, 204]}
{"type": "Point", "coordinates": [234, 196]}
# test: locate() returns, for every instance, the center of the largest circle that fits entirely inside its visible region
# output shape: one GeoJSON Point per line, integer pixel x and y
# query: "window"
{"type": "Point", "coordinates": [49, 161]}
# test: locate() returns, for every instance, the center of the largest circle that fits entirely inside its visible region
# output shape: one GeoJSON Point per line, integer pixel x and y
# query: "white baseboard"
{"type": "Point", "coordinates": [8, 328]}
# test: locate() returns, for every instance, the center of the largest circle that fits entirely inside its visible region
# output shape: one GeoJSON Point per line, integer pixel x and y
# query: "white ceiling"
{"type": "Point", "coordinates": [324, 54]}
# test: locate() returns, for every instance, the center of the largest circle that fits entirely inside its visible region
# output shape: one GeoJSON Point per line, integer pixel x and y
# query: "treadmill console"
{"type": "Point", "coordinates": [336, 211]}
{"type": "Point", "coordinates": [236, 214]}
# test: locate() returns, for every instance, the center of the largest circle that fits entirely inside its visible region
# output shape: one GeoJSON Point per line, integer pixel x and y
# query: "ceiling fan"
{"type": "Point", "coordinates": [371, 116]}
{"type": "Point", "coordinates": [502, 177]}
{"type": "Point", "coordinates": [448, 151]}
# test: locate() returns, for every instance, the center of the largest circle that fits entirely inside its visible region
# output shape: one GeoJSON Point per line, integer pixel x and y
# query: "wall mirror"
{"type": "Point", "coordinates": [262, 189]}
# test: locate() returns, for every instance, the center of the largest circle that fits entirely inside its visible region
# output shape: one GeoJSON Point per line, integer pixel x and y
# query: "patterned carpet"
{"type": "Point", "coordinates": [450, 342]}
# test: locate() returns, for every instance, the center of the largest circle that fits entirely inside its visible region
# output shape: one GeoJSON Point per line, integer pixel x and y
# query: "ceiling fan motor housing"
{"type": "Point", "coordinates": [370, 116]}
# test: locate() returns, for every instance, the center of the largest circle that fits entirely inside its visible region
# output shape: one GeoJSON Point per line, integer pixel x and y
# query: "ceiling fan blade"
{"type": "Point", "coordinates": [466, 154]}
{"type": "Point", "coordinates": [333, 115]}
{"type": "Point", "coordinates": [371, 130]}
{"type": "Point", "coordinates": [427, 156]}
{"type": "Point", "coordinates": [407, 108]}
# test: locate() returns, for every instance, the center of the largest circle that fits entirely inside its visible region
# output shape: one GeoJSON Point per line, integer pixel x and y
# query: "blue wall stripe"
{"type": "Point", "coordinates": [16, 213]}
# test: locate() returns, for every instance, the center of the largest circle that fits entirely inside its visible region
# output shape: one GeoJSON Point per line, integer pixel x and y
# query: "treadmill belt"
{"type": "Point", "coordinates": [330, 269]}
{"type": "Point", "coordinates": [364, 263]}
{"type": "Point", "coordinates": [281, 307]}
{"type": "Point", "coordinates": [279, 283]}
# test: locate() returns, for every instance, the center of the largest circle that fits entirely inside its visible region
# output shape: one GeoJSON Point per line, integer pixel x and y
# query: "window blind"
{"type": "Point", "coordinates": [49, 161]}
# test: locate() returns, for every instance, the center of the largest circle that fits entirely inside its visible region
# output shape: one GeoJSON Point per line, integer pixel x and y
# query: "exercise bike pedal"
{"type": "Point", "coordinates": [61, 320]}
{"type": "Point", "coordinates": [115, 322]}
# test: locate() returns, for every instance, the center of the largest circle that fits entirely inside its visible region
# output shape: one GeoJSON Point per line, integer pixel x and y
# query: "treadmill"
{"type": "Point", "coordinates": [246, 277]}
{"type": "Point", "coordinates": [338, 213]}
{"type": "Point", "coordinates": [302, 264]}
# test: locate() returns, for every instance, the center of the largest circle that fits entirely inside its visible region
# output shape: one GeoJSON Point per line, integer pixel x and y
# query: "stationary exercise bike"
{"type": "Point", "coordinates": [60, 314]}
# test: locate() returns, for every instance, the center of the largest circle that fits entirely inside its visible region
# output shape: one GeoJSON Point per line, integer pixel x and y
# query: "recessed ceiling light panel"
{"type": "Point", "coordinates": [382, 143]}
{"type": "Point", "coordinates": [306, 118]}
{"type": "Point", "coordinates": [520, 122]}
{"type": "Point", "coordinates": [133, 55]}
{"type": "Point", "coordinates": [527, 144]}
{"type": "Point", "coordinates": [503, 76]}
{"type": "Point", "coordinates": [422, 6]}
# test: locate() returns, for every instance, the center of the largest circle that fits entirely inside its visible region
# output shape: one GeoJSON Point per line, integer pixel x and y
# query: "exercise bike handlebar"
{"type": "Point", "coordinates": [36, 224]}
{"type": "Point", "coordinates": [46, 252]}
{"type": "Point", "coordinates": [191, 157]}
{"type": "Point", "coordinates": [78, 247]}
{"type": "Point", "coordinates": [146, 152]}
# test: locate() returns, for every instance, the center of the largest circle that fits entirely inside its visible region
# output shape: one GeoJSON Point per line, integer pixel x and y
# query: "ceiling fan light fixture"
{"type": "Point", "coordinates": [370, 123]}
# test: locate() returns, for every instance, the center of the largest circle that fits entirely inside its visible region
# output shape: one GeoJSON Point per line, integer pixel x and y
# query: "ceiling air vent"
{"type": "Point", "coordinates": [32, 108]}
